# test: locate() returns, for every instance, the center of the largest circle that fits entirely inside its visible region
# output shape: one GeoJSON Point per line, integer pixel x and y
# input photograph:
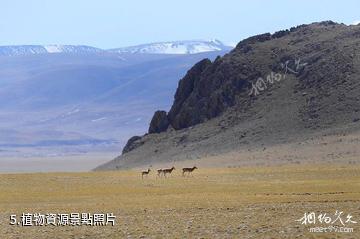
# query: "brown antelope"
{"type": "Point", "coordinates": [167, 170]}
{"type": "Point", "coordinates": [159, 172]}
{"type": "Point", "coordinates": [145, 173]}
{"type": "Point", "coordinates": [188, 170]}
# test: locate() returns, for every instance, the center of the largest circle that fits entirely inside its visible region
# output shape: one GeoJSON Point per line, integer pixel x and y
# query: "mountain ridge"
{"type": "Point", "coordinates": [171, 47]}
{"type": "Point", "coordinates": [23, 50]}
{"type": "Point", "coordinates": [176, 47]}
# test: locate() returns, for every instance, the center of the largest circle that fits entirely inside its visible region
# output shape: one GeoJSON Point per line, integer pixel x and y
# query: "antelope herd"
{"type": "Point", "coordinates": [164, 171]}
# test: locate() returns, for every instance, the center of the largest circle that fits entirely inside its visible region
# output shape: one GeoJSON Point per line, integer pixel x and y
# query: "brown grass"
{"type": "Point", "coordinates": [254, 202]}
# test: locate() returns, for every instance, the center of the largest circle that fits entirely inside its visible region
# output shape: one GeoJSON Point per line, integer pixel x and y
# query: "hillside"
{"type": "Point", "coordinates": [293, 95]}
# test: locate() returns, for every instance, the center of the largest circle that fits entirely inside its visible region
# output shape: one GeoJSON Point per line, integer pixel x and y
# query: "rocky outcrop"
{"type": "Point", "coordinates": [159, 122]}
{"type": "Point", "coordinates": [209, 88]}
{"type": "Point", "coordinates": [185, 89]}
{"type": "Point", "coordinates": [132, 144]}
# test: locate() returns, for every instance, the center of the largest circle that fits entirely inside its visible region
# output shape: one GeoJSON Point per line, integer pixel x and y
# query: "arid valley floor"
{"type": "Point", "coordinates": [244, 202]}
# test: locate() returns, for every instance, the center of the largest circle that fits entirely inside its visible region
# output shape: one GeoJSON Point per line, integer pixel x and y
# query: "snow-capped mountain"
{"type": "Point", "coordinates": [43, 49]}
{"type": "Point", "coordinates": [176, 47]}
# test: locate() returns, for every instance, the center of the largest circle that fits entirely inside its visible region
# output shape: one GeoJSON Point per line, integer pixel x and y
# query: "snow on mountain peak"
{"type": "Point", "coordinates": [176, 47]}
{"type": "Point", "coordinates": [53, 48]}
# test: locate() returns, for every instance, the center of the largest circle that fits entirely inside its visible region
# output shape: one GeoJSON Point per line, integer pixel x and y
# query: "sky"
{"type": "Point", "coordinates": [117, 23]}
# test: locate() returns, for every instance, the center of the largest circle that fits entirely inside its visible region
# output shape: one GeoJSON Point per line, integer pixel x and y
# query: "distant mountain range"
{"type": "Point", "coordinates": [39, 49]}
{"type": "Point", "coordinates": [172, 47]}
{"type": "Point", "coordinates": [176, 47]}
{"type": "Point", "coordinates": [61, 95]}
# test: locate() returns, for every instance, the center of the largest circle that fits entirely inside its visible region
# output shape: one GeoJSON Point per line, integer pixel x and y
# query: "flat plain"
{"type": "Point", "coordinates": [244, 202]}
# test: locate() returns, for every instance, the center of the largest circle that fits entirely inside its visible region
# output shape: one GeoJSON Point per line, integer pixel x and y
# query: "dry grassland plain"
{"type": "Point", "coordinates": [251, 202]}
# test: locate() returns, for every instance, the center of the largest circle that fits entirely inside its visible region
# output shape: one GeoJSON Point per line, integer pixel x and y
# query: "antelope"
{"type": "Point", "coordinates": [167, 170]}
{"type": "Point", "coordinates": [188, 170]}
{"type": "Point", "coordinates": [145, 173]}
{"type": "Point", "coordinates": [159, 172]}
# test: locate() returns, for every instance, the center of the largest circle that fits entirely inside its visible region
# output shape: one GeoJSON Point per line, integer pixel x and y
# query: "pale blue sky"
{"type": "Point", "coordinates": [116, 23]}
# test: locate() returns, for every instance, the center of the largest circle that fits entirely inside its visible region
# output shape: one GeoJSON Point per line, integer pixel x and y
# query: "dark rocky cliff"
{"type": "Point", "coordinates": [209, 88]}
